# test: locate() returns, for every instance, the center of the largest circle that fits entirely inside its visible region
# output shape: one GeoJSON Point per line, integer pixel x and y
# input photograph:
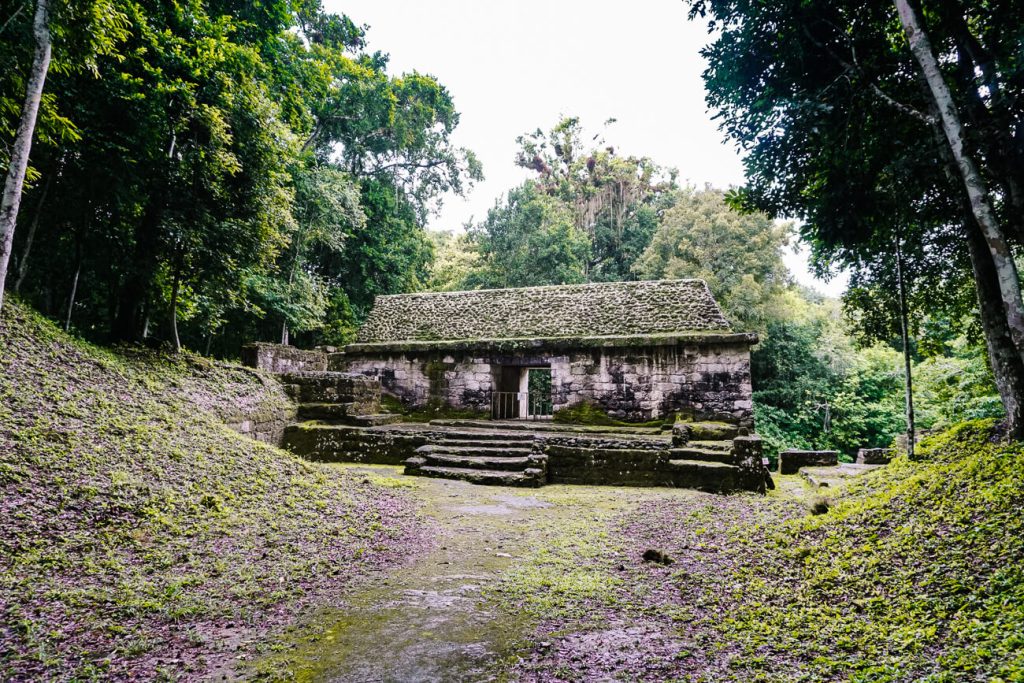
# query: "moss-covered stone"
{"type": "Point", "coordinates": [588, 413]}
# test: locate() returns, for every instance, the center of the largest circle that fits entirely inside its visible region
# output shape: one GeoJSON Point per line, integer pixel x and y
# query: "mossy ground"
{"type": "Point", "coordinates": [140, 538]}
{"type": "Point", "coordinates": [912, 573]}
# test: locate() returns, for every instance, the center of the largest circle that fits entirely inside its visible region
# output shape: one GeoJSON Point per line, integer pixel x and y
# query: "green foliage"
{"type": "Point", "coordinates": [455, 258]}
{"type": "Point", "coordinates": [956, 387]}
{"type": "Point", "coordinates": [529, 239]}
{"type": "Point", "coordinates": [739, 255]}
{"type": "Point", "coordinates": [813, 389]}
{"type": "Point", "coordinates": [232, 153]}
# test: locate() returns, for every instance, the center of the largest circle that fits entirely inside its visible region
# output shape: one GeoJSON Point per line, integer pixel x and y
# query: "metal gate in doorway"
{"type": "Point", "coordinates": [531, 402]}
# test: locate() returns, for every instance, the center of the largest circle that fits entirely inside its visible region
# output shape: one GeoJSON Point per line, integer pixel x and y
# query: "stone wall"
{"type": "Point", "coordinates": [278, 358]}
{"type": "Point", "coordinates": [268, 426]}
{"type": "Point", "coordinates": [631, 383]}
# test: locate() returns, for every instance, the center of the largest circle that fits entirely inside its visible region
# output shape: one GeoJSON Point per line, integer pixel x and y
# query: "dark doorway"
{"type": "Point", "coordinates": [521, 393]}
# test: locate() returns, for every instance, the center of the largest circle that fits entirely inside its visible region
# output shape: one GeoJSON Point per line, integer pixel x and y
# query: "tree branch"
{"type": "Point", "coordinates": [854, 68]}
{"type": "Point", "coordinates": [12, 17]}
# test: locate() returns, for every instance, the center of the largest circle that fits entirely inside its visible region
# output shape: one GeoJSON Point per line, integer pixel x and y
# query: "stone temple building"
{"type": "Point", "coordinates": [627, 383]}
{"type": "Point", "coordinates": [634, 351]}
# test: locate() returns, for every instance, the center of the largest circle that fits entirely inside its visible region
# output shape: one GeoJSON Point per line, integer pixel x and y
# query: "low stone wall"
{"type": "Point", "coordinates": [353, 444]}
{"type": "Point", "coordinates": [333, 387]}
{"type": "Point", "coordinates": [875, 456]}
{"type": "Point", "coordinates": [792, 460]}
{"type": "Point", "coordinates": [278, 358]}
{"type": "Point", "coordinates": [268, 427]}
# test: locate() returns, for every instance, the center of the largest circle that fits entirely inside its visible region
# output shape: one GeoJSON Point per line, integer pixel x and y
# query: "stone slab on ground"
{"type": "Point", "coordinates": [835, 475]}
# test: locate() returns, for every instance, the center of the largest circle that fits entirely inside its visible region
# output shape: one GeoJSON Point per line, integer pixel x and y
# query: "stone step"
{"type": "Point", "coordinates": [714, 477]}
{"type": "Point", "coordinates": [476, 462]}
{"type": "Point", "coordinates": [484, 443]}
{"type": "Point", "coordinates": [492, 451]}
{"type": "Point", "coordinates": [685, 432]}
{"type": "Point", "coordinates": [700, 455]}
{"type": "Point", "coordinates": [544, 426]}
{"type": "Point", "coordinates": [481, 435]}
{"type": "Point", "coordinates": [530, 477]}
{"type": "Point", "coordinates": [725, 446]}
{"type": "Point", "coordinates": [374, 420]}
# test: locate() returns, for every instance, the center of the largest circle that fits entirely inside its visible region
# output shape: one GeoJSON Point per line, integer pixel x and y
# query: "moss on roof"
{"type": "Point", "coordinates": [591, 310]}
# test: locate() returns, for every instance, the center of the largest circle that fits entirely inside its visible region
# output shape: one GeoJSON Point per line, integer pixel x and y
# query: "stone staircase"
{"type": "Point", "coordinates": [481, 456]}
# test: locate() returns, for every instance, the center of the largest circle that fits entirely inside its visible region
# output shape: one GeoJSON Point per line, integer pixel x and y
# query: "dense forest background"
{"type": "Point", "coordinates": [210, 173]}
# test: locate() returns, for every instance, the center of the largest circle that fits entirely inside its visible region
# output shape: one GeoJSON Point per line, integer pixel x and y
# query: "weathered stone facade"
{"type": "Point", "coordinates": [634, 351]}
{"type": "Point", "coordinates": [706, 377]}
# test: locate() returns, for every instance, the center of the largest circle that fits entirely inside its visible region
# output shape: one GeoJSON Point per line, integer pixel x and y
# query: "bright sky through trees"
{"type": "Point", "coordinates": [515, 66]}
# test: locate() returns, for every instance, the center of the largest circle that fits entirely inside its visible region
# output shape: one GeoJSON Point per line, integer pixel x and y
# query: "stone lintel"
{"type": "Point", "coordinates": [557, 343]}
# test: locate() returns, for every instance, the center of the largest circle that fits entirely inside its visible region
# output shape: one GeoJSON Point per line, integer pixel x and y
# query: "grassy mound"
{"type": "Point", "coordinates": [915, 572]}
{"type": "Point", "coordinates": [142, 538]}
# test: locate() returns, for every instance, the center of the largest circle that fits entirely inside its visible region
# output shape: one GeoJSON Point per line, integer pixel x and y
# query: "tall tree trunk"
{"type": "Point", "coordinates": [905, 334]}
{"type": "Point", "coordinates": [974, 184]}
{"type": "Point", "coordinates": [74, 290]}
{"type": "Point", "coordinates": [174, 307]}
{"type": "Point", "coordinates": [23, 138]}
{"type": "Point", "coordinates": [284, 333]}
{"type": "Point", "coordinates": [1007, 366]}
{"type": "Point", "coordinates": [23, 263]}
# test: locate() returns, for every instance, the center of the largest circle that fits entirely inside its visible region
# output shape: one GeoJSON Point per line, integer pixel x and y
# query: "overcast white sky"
{"type": "Point", "coordinates": [518, 65]}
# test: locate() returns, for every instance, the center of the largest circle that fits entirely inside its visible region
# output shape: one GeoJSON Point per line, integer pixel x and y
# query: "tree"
{"type": "Point", "coordinates": [739, 255]}
{"type": "Point", "coordinates": [616, 201]}
{"type": "Point", "coordinates": [18, 163]}
{"type": "Point", "coordinates": [455, 259]}
{"type": "Point", "coordinates": [209, 177]}
{"type": "Point", "coordinates": [529, 238]}
{"type": "Point", "coordinates": [840, 131]}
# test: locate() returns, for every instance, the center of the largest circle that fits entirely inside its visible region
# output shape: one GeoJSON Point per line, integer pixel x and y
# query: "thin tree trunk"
{"type": "Point", "coordinates": [905, 333]}
{"type": "Point", "coordinates": [22, 146]}
{"type": "Point", "coordinates": [23, 263]}
{"type": "Point", "coordinates": [209, 341]}
{"type": "Point", "coordinates": [284, 333]}
{"type": "Point", "coordinates": [174, 308]}
{"type": "Point", "coordinates": [74, 291]}
{"type": "Point", "coordinates": [974, 184]}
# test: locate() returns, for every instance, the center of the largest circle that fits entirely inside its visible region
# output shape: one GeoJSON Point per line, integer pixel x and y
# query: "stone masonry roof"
{"type": "Point", "coordinates": [600, 309]}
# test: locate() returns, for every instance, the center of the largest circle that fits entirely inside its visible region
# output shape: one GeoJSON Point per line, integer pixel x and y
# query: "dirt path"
{"type": "Point", "coordinates": [505, 560]}
{"type": "Point", "coordinates": [436, 619]}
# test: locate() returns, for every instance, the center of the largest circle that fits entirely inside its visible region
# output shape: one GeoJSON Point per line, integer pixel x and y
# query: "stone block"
{"type": "Point", "coordinates": [875, 456]}
{"type": "Point", "coordinates": [790, 461]}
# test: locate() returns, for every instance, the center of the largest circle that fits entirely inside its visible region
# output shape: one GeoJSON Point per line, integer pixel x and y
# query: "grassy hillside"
{"type": "Point", "coordinates": [139, 536]}
{"type": "Point", "coordinates": [915, 573]}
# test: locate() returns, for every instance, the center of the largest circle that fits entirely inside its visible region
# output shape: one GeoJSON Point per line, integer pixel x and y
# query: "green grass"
{"type": "Point", "coordinates": [137, 527]}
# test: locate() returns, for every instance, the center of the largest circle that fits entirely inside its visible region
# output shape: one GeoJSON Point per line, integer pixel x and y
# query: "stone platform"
{"type": "Point", "coordinates": [529, 453]}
